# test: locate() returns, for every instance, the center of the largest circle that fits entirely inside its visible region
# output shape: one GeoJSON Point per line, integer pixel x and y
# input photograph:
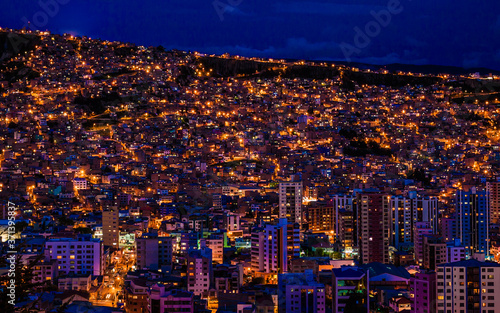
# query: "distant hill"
{"type": "Point", "coordinates": [12, 44]}
{"type": "Point", "coordinates": [423, 69]}
{"type": "Point", "coordinates": [245, 68]}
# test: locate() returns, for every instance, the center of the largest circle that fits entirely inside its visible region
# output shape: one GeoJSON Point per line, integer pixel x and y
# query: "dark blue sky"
{"type": "Point", "coordinates": [446, 32]}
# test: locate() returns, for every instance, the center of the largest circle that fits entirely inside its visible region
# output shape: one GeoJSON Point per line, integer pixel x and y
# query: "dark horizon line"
{"type": "Point", "coordinates": [439, 68]}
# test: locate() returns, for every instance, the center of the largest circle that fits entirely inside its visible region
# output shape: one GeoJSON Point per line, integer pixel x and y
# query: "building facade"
{"type": "Point", "coordinates": [273, 245]}
{"type": "Point", "coordinates": [290, 201]}
{"type": "Point", "coordinates": [300, 293]}
{"type": "Point", "coordinates": [468, 286]}
{"type": "Point", "coordinates": [473, 220]}
{"type": "Point", "coordinates": [78, 256]}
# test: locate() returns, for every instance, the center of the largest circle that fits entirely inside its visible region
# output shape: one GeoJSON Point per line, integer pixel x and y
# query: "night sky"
{"type": "Point", "coordinates": [445, 32]}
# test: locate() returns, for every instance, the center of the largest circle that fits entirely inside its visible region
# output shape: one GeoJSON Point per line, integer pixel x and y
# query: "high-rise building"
{"type": "Point", "coordinates": [405, 212]}
{"type": "Point", "coordinates": [199, 270]}
{"type": "Point", "coordinates": [110, 231]}
{"type": "Point", "coordinates": [421, 230]}
{"type": "Point", "coordinates": [448, 227]}
{"type": "Point", "coordinates": [341, 203]}
{"type": "Point", "coordinates": [493, 189]}
{"type": "Point", "coordinates": [473, 220]}
{"type": "Point", "coordinates": [154, 252]}
{"type": "Point", "coordinates": [290, 201]}
{"type": "Point", "coordinates": [348, 235]}
{"type": "Point", "coordinates": [273, 245]}
{"type": "Point", "coordinates": [83, 255]}
{"type": "Point", "coordinates": [350, 287]}
{"type": "Point", "coordinates": [320, 217]}
{"type": "Point", "coordinates": [424, 292]}
{"type": "Point", "coordinates": [300, 293]}
{"type": "Point", "coordinates": [469, 286]}
{"type": "Point", "coordinates": [373, 227]}
{"type": "Point", "coordinates": [435, 251]}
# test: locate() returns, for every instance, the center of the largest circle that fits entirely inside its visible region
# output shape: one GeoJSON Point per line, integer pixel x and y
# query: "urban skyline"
{"type": "Point", "coordinates": [142, 178]}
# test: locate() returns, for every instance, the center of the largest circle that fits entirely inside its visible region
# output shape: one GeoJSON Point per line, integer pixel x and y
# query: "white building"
{"type": "Point", "coordinates": [468, 286]}
{"type": "Point", "coordinates": [78, 256]}
{"type": "Point", "coordinates": [216, 243]}
{"type": "Point", "coordinates": [273, 245]}
{"type": "Point", "coordinates": [80, 183]}
{"type": "Point", "coordinates": [230, 190]}
{"type": "Point", "coordinates": [232, 221]}
{"type": "Point", "coordinates": [199, 270]}
{"type": "Point", "coordinates": [455, 251]}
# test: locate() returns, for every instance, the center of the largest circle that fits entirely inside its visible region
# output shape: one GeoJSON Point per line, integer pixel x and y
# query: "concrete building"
{"type": "Point", "coordinates": [469, 286]}
{"type": "Point", "coordinates": [290, 201]}
{"type": "Point", "coordinates": [45, 270]}
{"type": "Point", "coordinates": [455, 251]}
{"type": "Point", "coordinates": [273, 245]}
{"type": "Point", "coordinates": [373, 227]}
{"type": "Point", "coordinates": [215, 242]}
{"type": "Point", "coordinates": [77, 256]}
{"type": "Point", "coordinates": [341, 203]}
{"type": "Point", "coordinates": [473, 220]}
{"type": "Point", "coordinates": [199, 270]}
{"type": "Point", "coordinates": [135, 297]}
{"type": "Point", "coordinates": [110, 231]}
{"type": "Point", "coordinates": [80, 183]}
{"type": "Point", "coordinates": [320, 217]}
{"type": "Point", "coordinates": [348, 235]}
{"type": "Point", "coordinates": [435, 251]}
{"type": "Point", "coordinates": [424, 292]}
{"type": "Point", "coordinates": [448, 228]}
{"type": "Point", "coordinates": [75, 282]}
{"type": "Point", "coordinates": [163, 299]}
{"type": "Point", "coordinates": [406, 212]}
{"type": "Point", "coordinates": [421, 230]}
{"type": "Point", "coordinates": [400, 304]}
{"type": "Point", "coordinates": [217, 201]}
{"type": "Point", "coordinates": [493, 189]}
{"type": "Point", "coordinates": [154, 252]}
{"type": "Point", "coordinates": [232, 221]}
{"type": "Point", "coordinates": [350, 284]}
{"type": "Point", "coordinates": [300, 293]}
